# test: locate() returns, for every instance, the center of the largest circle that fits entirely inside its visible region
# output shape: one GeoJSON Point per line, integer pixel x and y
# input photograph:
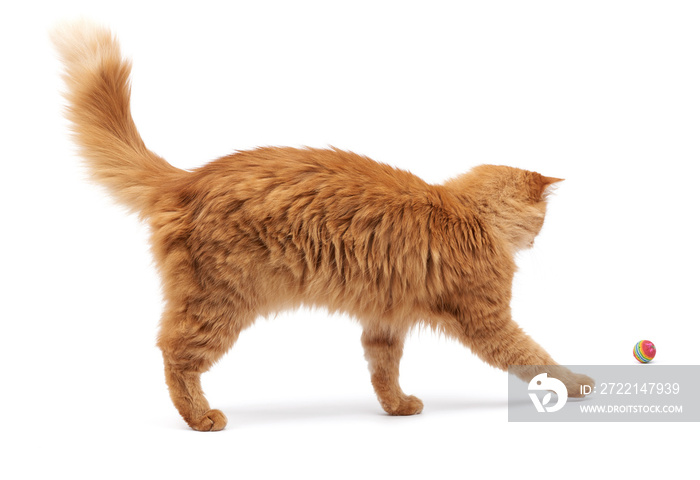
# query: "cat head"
{"type": "Point", "coordinates": [512, 200]}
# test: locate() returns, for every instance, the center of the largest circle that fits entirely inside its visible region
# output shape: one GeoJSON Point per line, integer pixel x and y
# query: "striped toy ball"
{"type": "Point", "coordinates": [644, 351]}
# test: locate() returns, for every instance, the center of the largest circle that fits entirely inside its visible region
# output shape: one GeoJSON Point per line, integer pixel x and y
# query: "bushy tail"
{"type": "Point", "coordinates": [98, 92]}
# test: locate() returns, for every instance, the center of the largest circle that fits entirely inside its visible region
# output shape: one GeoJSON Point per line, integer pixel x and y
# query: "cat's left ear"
{"type": "Point", "coordinates": [540, 186]}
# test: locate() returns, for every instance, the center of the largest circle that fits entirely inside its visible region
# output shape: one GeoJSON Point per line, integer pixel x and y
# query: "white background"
{"type": "Point", "coordinates": [603, 93]}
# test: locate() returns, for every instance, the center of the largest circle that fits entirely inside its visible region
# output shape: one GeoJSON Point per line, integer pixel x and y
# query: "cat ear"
{"type": "Point", "coordinates": [550, 180]}
{"type": "Point", "coordinates": [540, 186]}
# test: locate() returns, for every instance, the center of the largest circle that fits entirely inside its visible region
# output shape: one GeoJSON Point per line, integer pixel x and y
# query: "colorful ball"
{"type": "Point", "coordinates": [644, 351]}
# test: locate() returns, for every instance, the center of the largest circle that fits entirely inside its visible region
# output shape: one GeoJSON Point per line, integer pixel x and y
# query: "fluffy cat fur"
{"type": "Point", "coordinates": [274, 228]}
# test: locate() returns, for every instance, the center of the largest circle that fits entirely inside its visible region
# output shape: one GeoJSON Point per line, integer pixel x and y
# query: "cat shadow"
{"type": "Point", "coordinates": [361, 410]}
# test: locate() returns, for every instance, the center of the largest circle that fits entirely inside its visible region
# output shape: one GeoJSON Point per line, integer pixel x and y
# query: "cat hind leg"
{"type": "Point", "coordinates": [190, 346]}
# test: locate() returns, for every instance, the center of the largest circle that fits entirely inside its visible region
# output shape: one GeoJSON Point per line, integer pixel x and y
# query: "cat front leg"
{"type": "Point", "coordinates": [383, 353]}
{"type": "Point", "coordinates": [500, 342]}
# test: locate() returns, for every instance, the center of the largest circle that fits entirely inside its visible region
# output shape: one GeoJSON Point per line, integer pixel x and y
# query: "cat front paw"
{"type": "Point", "coordinates": [212, 421]}
{"type": "Point", "coordinates": [405, 405]}
{"type": "Point", "coordinates": [577, 384]}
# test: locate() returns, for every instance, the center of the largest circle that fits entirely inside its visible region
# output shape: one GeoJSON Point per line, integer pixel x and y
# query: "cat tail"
{"type": "Point", "coordinates": [98, 91]}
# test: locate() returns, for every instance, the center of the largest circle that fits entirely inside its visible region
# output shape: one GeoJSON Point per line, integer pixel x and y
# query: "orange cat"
{"type": "Point", "coordinates": [275, 228]}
